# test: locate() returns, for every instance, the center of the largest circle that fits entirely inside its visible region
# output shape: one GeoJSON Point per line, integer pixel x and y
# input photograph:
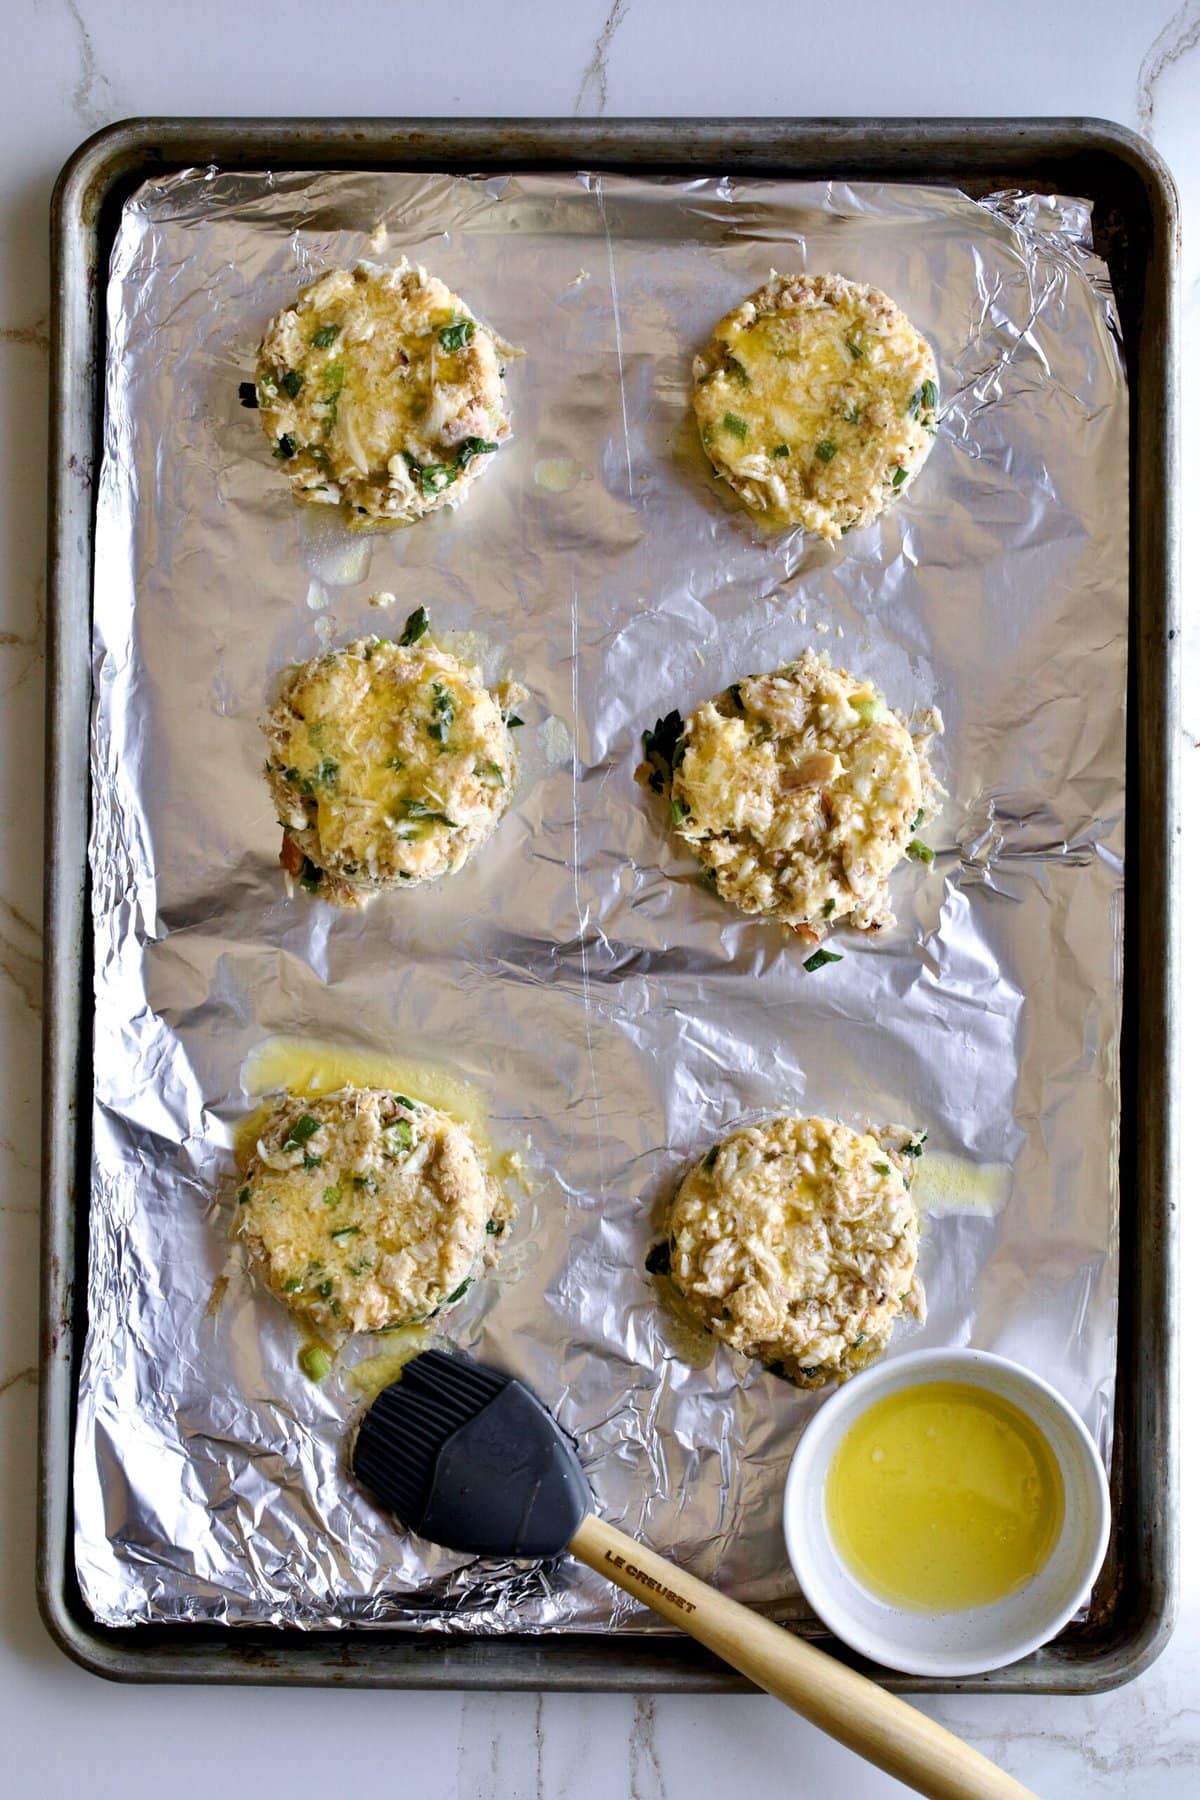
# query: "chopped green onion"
{"type": "Point", "coordinates": [474, 446]}
{"type": "Point", "coordinates": [735, 694]}
{"type": "Point", "coordinates": [291, 381]}
{"type": "Point", "coordinates": [332, 1195]}
{"type": "Point", "coordinates": [929, 395]}
{"type": "Point", "coordinates": [920, 818]}
{"type": "Point", "coordinates": [826, 450]}
{"type": "Point", "coordinates": [915, 1148]}
{"type": "Point", "coordinates": [899, 478]}
{"type": "Point", "coordinates": [856, 350]}
{"type": "Point", "coordinates": [920, 850]}
{"type": "Point", "coordinates": [514, 721]}
{"type": "Point", "coordinates": [301, 1131]}
{"type": "Point", "coordinates": [311, 1162]}
{"type": "Point", "coordinates": [879, 1168]}
{"type": "Point", "coordinates": [827, 909]}
{"type": "Point", "coordinates": [285, 449]}
{"type": "Point", "coordinates": [248, 394]}
{"type": "Point", "coordinates": [324, 336]}
{"type": "Point", "coordinates": [403, 1100]}
{"type": "Point", "coordinates": [819, 958]}
{"type": "Point", "coordinates": [314, 1362]}
{"type": "Point", "coordinates": [737, 370]}
{"type": "Point", "coordinates": [491, 1228]}
{"type": "Point", "coordinates": [680, 810]}
{"type": "Point", "coordinates": [457, 1294]}
{"type": "Point", "coordinates": [327, 772]}
{"type": "Point", "coordinates": [344, 1231]}
{"type": "Point", "coordinates": [853, 416]}
{"type": "Point", "coordinates": [243, 1196]}
{"type": "Point", "coordinates": [457, 335]}
{"type": "Point", "coordinates": [711, 1158]}
{"type": "Point", "coordinates": [781, 450]}
{"type": "Point", "coordinates": [415, 627]}
{"type": "Point", "coordinates": [735, 426]}
{"type": "Point", "coordinates": [293, 1286]}
{"type": "Point", "coordinates": [404, 1133]}
{"type": "Point", "coordinates": [310, 876]}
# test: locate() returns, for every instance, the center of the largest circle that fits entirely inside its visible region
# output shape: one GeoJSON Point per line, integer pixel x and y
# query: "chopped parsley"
{"type": "Point", "coordinates": [291, 381]}
{"type": "Point", "coordinates": [415, 627]}
{"type": "Point", "coordinates": [826, 450]}
{"type": "Point", "coordinates": [301, 1131]}
{"type": "Point", "coordinates": [457, 335]}
{"type": "Point", "coordinates": [734, 425]}
{"type": "Point", "coordinates": [443, 714]}
{"type": "Point", "coordinates": [819, 958]}
{"type": "Point", "coordinates": [324, 336]}
{"type": "Point", "coordinates": [663, 749]}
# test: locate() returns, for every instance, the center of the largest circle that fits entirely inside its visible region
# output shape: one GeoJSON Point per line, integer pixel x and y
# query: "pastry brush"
{"type": "Point", "coordinates": [467, 1457]}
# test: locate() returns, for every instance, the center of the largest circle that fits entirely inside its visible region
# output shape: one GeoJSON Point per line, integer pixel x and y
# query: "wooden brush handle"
{"type": "Point", "coordinates": [884, 1729]}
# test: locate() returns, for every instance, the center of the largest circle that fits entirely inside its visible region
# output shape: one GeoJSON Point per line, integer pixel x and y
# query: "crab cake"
{"type": "Point", "coordinates": [817, 402]}
{"type": "Point", "coordinates": [795, 1242]}
{"type": "Point", "coordinates": [799, 791]}
{"type": "Point", "coordinates": [380, 392]}
{"type": "Point", "coordinates": [389, 763]}
{"type": "Point", "coordinates": [364, 1209]}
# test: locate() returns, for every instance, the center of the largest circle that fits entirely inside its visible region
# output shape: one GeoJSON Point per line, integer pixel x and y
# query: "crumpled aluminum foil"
{"type": "Point", "coordinates": [578, 971]}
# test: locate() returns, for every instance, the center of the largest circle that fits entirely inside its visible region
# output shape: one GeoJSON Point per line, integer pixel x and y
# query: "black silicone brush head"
{"type": "Point", "coordinates": [467, 1457]}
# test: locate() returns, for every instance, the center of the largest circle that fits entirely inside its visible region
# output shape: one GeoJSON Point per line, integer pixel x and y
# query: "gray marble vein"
{"type": "Point", "coordinates": [592, 97]}
{"type": "Point", "coordinates": [1180, 34]}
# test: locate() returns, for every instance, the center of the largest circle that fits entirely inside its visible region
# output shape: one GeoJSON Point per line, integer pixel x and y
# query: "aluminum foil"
{"type": "Point", "coordinates": [609, 1009]}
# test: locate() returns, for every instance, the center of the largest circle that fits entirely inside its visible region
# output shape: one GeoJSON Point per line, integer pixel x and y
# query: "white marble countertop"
{"type": "Point", "coordinates": [78, 64]}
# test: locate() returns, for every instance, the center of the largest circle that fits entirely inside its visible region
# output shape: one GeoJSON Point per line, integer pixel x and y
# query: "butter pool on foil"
{"type": "Point", "coordinates": [578, 972]}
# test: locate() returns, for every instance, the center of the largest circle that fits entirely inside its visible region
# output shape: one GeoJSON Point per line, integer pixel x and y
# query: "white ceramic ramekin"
{"type": "Point", "coordinates": [984, 1637]}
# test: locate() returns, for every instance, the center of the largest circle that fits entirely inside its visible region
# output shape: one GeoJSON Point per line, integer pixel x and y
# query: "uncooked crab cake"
{"type": "Point", "coordinates": [795, 1242]}
{"type": "Point", "coordinates": [799, 791]}
{"type": "Point", "coordinates": [389, 764]}
{"type": "Point", "coordinates": [380, 392]}
{"type": "Point", "coordinates": [364, 1209]}
{"type": "Point", "coordinates": [817, 402]}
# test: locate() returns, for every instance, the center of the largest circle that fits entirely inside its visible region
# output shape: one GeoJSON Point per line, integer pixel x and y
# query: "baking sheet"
{"type": "Point", "coordinates": [578, 972]}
